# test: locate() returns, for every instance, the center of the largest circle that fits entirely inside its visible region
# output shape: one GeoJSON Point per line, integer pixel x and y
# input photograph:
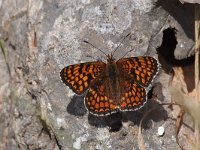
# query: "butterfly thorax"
{"type": "Point", "coordinates": [110, 58]}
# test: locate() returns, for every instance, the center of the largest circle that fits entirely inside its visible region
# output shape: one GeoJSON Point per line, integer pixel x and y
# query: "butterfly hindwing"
{"type": "Point", "coordinates": [97, 100]}
{"type": "Point", "coordinates": [80, 76]}
{"type": "Point", "coordinates": [142, 69]}
{"type": "Point", "coordinates": [133, 96]}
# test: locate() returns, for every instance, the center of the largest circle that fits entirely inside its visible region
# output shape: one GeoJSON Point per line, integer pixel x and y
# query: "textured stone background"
{"type": "Point", "coordinates": [40, 37]}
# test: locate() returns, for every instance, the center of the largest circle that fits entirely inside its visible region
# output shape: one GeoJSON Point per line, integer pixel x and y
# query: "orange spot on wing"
{"type": "Point", "coordinates": [149, 73]}
{"type": "Point", "coordinates": [101, 104]}
{"type": "Point", "coordinates": [101, 110]}
{"type": "Point", "coordinates": [106, 104]}
{"type": "Point", "coordinates": [112, 106]}
{"type": "Point", "coordinates": [126, 94]}
{"type": "Point", "coordinates": [97, 106]}
{"type": "Point", "coordinates": [93, 102]}
{"type": "Point", "coordinates": [85, 84]}
{"type": "Point", "coordinates": [140, 69]}
{"type": "Point", "coordinates": [138, 94]}
{"type": "Point", "coordinates": [149, 62]}
{"type": "Point", "coordinates": [137, 72]}
{"type": "Point", "coordinates": [142, 75]}
{"type": "Point", "coordinates": [137, 98]}
{"type": "Point", "coordinates": [81, 76]}
{"type": "Point", "coordinates": [132, 99]}
{"type": "Point", "coordinates": [106, 109]}
{"type": "Point", "coordinates": [145, 71]}
{"type": "Point", "coordinates": [137, 77]}
{"type": "Point", "coordinates": [85, 78]}
{"type": "Point", "coordinates": [81, 88]}
{"type": "Point", "coordinates": [123, 104]}
{"type": "Point", "coordinates": [143, 81]}
{"type": "Point", "coordinates": [128, 100]}
{"type": "Point", "coordinates": [75, 72]}
{"type": "Point", "coordinates": [68, 71]}
{"type": "Point", "coordinates": [80, 82]}
{"type": "Point", "coordinates": [76, 79]}
{"type": "Point", "coordinates": [98, 99]}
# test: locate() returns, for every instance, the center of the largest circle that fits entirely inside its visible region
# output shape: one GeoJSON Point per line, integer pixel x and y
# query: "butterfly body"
{"type": "Point", "coordinates": [113, 86]}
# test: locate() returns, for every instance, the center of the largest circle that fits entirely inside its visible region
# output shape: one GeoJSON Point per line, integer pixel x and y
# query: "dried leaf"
{"type": "Point", "coordinates": [189, 103]}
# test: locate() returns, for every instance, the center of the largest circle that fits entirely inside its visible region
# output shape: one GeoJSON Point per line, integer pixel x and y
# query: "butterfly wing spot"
{"type": "Point", "coordinates": [143, 81]}
{"type": "Point", "coordinates": [85, 78]}
{"type": "Point", "coordinates": [80, 82]}
{"type": "Point", "coordinates": [128, 100]}
{"type": "Point", "coordinates": [106, 104]}
{"type": "Point", "coordinates": [76, 79]}
{"type": "Point", "coordinates": [137, 77]}
{"type": "Point", "coordinates": [101, 104]}
{"type": "Point", "coordinates": [139, 69]}
{"type": "Point", "coordinates": [97, 99]}
{"type": "Point", "coordinates": [138, 94]}
{"type": "Point", "coordinates": [96, 106]}
{"type": "Point", "coordinates": [68, 72]}
{"type": "Point", "coordinates": [126, 94]}
{"type": "Point", "coordinates": [81, 76]}
{"type": "Point", "coordinates": [136, 98]}
{"type": "Point", "coordinates": [81, 88]}
{"type": "Point", "coordinates": [93, 101]}
{"type": "Point", "coordinates": [136, 71]}
{"type": "Point", "coordinates": [95, 95]}
{"type": "Point", "coordinates": [142, 75]}
{"type": "Point", "coordinates": [123, 104]}
{"type": "Point", "coordinates": [85, 84]}
{"type": "Point", "coordinates": [149, 62]}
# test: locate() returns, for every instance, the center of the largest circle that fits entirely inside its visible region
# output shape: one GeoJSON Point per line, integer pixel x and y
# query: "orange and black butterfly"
{"type": "Point", "coordinates": [113, 86]}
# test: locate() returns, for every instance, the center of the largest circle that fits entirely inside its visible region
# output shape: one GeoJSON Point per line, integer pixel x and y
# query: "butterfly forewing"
{"type": "Point", "coordinates": [141, 69]}
{"type": "Point", "coordinates": [80, 76]}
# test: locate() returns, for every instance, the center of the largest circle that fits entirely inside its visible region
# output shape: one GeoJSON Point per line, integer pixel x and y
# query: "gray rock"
{"type": "Point", "coordinates": [42, 37]}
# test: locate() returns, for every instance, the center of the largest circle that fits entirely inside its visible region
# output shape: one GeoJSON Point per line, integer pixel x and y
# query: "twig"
{"type": "Point", "coordinates": [140, 137]}
{"type": "Point", "coordinates": [5, 56]}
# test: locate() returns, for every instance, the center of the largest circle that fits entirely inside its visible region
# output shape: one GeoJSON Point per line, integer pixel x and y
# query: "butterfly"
{"type": "Point", "coordinates": [114, 86]}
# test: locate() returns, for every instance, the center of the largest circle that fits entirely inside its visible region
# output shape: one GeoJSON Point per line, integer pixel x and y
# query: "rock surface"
{"type": "Point", "coordinates": [41, 37]}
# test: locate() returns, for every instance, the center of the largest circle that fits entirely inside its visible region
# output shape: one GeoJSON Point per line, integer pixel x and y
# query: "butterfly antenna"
{"type": "Point", "coordinates": [95, 47]}
{"type": "Point", "coordinates": [127, 52]}
{"type": "Point", "coordinates": [121, 43]}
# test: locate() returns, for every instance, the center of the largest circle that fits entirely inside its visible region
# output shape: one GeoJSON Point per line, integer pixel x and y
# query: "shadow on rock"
{"type": "Point", "coordinates": [168, 61]}
{"type": "Point", "coordinates": [183, 14]}
{"type": "Point", "coordinates": [76, 106]}
{"type": "Point", "coordinates": [114, 121]}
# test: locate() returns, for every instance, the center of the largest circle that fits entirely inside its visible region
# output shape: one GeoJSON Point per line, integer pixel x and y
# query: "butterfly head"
{"type": "Point", "coordinates": [110, 58]}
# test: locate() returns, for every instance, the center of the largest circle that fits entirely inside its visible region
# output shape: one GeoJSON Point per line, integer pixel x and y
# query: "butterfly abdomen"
{"type": "Point", "coordinates": [113, 83]}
